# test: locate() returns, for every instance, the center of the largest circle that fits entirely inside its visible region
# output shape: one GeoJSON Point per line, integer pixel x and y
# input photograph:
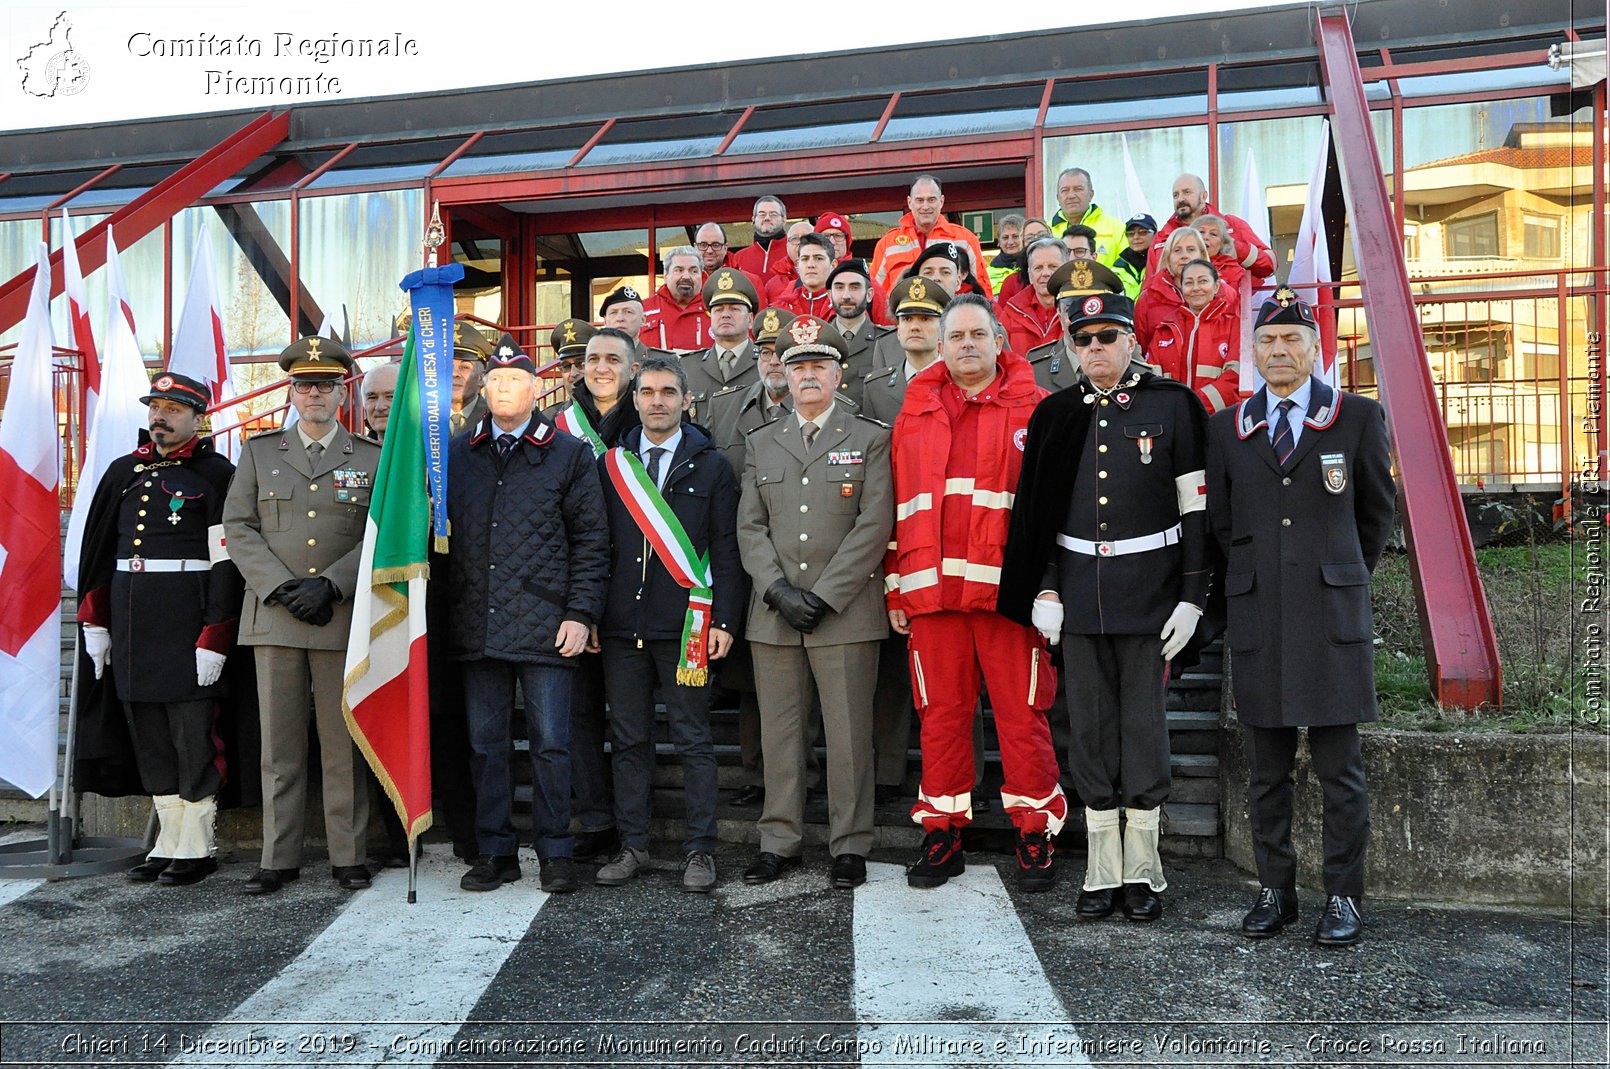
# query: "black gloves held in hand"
{"type": "Point", "coordinates": [800, 609]}
{"type": "Point", "coordinates": [310, 600]}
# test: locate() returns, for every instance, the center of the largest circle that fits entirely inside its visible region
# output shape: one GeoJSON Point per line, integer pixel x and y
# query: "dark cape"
{"type": "Point", "coordinates": [103, 755]}
{"type": "Point", "coordinates": [1057, 434]}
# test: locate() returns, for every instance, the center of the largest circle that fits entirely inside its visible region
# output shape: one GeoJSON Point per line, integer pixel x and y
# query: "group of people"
{"type": "Point", "coordinates": [756, 484]}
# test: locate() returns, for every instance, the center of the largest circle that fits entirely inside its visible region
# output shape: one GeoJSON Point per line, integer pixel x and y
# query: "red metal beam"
{"type": "Point", "coordinates": [76, 190]}
{"type": "Point", "coordinates": [150, 210]}
{"type": "Point", "coordinates": [726, 142]}
{"type": "Point", "coordinates": [883, 120]}
{"type": "Point", "coordinates": [1455, 66]}
{"type": "Point", "coordinates": [598, 135]}
{"type": "Point", "coordinates": [325, 166]}
{"type": "Point", "coordinates": [469, 143]}
{"type": "Point", "coordinates": [1456, 624]}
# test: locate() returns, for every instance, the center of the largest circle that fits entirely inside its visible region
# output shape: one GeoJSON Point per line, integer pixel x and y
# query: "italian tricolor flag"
{"type": "Point", "coordinates": [386, 698]}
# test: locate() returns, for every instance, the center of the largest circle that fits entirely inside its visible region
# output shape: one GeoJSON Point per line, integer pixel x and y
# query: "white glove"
{"type": "Point", "coordinates": [98, 644]}
{"type": "Point", "coordinates": [1046, 616]}
{"type": "Point", "coordinates": [1179, 629]}
{"type": "Point", "coordinates": [209, 666]}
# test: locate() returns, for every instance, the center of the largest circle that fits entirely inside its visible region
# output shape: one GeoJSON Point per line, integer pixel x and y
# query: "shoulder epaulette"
{"type": "Point", "coordinates": [870, 419]}
{"type": "Point", "coordinates": [882, 373]}
{"type": "Point", "coordinates": [731, 389]}
{"type": "Point", "coordinates": [265, 434]}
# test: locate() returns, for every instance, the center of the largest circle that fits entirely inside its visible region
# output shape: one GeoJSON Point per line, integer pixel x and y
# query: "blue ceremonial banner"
{"type": "Point", "coordinates": [430, 292]}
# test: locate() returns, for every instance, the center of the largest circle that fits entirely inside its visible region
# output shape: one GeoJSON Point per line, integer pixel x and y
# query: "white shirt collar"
{"type": "Point", "coordinates": [669, 445]}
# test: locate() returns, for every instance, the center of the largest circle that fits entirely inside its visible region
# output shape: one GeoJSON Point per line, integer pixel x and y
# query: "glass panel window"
{"type": "Point", "coordinates": [1542, 237]}
{"type": "Point", "coordinates": [355, 281]}
{"type": "Point", "coordinates": [1159, 156]}
{"type": "Point", "coordinates": [1476, 236]}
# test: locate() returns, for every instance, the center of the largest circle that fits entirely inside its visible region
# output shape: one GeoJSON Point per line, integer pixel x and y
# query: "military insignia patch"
{"type": "Point", "coordinates": [771, 323]}
{"type": "Point", "coordinates": [1333, 467]}
{"type": "Point", "coordinates": [164, 383]}
{"type": "Point", "coordinates": [1285, 296]}
{"type": "Point", "coordinates": [1082, 276]}
{"type": "Point", "coordinates": [805, 331]}
{"type": "Point", "coordinates": [725, 281]}
{"type": "Point", "coordinates": [313, 349]}
{"type": "Point", "coordinates": [918, 290]}
{"type": "Point", "coordinates": [1092, 306]}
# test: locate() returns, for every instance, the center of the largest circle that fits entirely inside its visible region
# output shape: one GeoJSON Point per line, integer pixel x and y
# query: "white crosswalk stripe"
{"type": "Point", "coordinates": [949, 977]}
{"type": "Point", "coordinates": [351, 981]}
{"type": "Point", "coordinates": [11, 890]}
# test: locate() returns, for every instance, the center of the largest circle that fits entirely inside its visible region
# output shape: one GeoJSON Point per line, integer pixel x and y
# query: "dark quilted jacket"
{"type": "Point", "coordinates": [529, 547]}
{"type": "Point", "coordinates": [644, 601]}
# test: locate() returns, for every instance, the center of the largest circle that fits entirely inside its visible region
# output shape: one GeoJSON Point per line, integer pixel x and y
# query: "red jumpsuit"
{"type": "Point", "coordinates": [956, 461]}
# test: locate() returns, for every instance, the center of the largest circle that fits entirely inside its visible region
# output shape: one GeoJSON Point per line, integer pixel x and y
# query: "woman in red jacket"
{"type": "Point", "coordinates": [1199, 344]}
{"type": "Point", "coordinates": [1215, 235]}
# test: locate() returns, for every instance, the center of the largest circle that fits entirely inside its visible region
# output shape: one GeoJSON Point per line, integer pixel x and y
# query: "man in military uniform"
{"type": "Point", "coordinates": [867, 345]}
{"type": "Point", "coordinates": [1107, 553]}
{"type": "Point", "coordinates": [294, 521]}
{"type": "Point", "coordinates": [623, 310]}
{"type": "Point", "coordinates": [812, 548]}
{"type": "Point", "coordinates": [730, 298]}
{"type": "Point", "coordinates": [160, 604]}
{"type": "Point", "coordinates": [1300, 491]}
{"type": "Point", "coordinates": [1056, 366]}
{"type": "Point", "coordinates": [569, 339]}
{"type": "Point", "coordinates": [917, 304]}
{"type": "Point", "coordinates": [470, 350]}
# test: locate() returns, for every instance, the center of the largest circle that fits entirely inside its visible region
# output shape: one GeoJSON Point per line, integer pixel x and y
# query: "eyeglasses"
{"type": "Point", "coordinates": [327, 386]}
{"type": "Point", "coordinates": [1084, 338]}
{"type": "Point", "coordinates": [709, 246]}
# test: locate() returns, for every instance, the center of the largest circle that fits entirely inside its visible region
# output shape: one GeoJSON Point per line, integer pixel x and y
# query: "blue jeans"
{"type": "Point", "coordinates": [488, 706]}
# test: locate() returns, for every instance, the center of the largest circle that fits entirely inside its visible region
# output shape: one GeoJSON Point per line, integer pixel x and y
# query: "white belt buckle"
{"type": "Point", "coordinates": [136, 564]}
{"type": "Point", "coordinates": [1104, 549]}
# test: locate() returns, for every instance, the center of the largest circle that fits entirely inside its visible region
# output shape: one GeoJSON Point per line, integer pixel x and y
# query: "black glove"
{"type": "Point", "coordinates": [313, 601]}
{"type": "Point", "coordinates": [282, 593]}
{"type": "Point", "coordinates": [800, 609]}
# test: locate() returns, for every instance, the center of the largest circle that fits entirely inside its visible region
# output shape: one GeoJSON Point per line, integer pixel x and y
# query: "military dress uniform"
{"type": "Point", "coordinates": [716, 368]}
{"type": "Point", "coordinates": [1111, 515]}
{"type": "Point", "coordinates": [1055, 365]}
{"type": "Point", "coordinates": [156, 576]}
{"type": "Point", "coordinates": [1302, 536]}
{"type": "Point", "coordinates": [469, 344]}
{"type": "Point", "coordinates": [816, 517]}
{"type": "Point", "coordinates": [296, 513]}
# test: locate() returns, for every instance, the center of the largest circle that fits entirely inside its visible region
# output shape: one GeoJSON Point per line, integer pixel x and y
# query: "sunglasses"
{"type": "Point", "coordinates": [1084, 338]}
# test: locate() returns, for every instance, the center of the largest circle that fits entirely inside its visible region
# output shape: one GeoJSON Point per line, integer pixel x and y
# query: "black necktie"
{"type": "Point", "coordinates": [1284, 441]}
{"type": "Point", "coordinates": [505, 445]}
{"type": "Point", "coordinates": [655, 456]}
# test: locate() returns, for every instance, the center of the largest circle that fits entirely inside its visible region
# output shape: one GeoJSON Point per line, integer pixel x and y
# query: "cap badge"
{"type": "Point", "coordinates": [570, 331]}
{"type": "Point", "coordinates": [505, 352]}
{"type": "Point", "coordinates": [955, 254]}
{"type": "Point", "coordinates": [458, 331]}
{"type": "Point", "coordinates": [724, 281]}
{"type": "Point", "coordinates": [630, 294]}
{"type": "Point", "coordinates": [164, 383]}
{"type": "Point", "coordinates": [805, 331]}
{"type": "Point", "coordinates": [772, 323]}
{"type": "Point", "coordinates": [1082, 276]}
{"type": "Point", "coordinates": [313, 350]}
{"type": "Point", "coordinates": [917, 290]}
{"type": "Point", "coordinates": [1285, 296]}
{"type": "Point", "coordinates": [1092, 306]}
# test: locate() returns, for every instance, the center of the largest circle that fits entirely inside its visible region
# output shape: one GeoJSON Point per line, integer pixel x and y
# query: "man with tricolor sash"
{"type": "Point", "coordinates": [526, 575]}
{"type": "Point", "coordinates": [675, 594]}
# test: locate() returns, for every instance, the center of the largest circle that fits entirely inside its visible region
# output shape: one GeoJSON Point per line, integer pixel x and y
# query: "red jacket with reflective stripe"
{"type": "Point", "coordinates": [1253, 254]}
{"type": "Point", "coordinates": [1202, 350]}
{"type": "Point", "coordinates": [920, 451]}
{"type": "Point", "coordinates": [1028, 323]}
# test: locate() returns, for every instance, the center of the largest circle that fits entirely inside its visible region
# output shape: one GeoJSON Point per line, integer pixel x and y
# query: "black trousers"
{"type": "Point", "coordinates": [1118, 751]}
{"type": "Point", "coordinates": [176, 747]}
{"type": "Point", "coordinates": [1339, 766]}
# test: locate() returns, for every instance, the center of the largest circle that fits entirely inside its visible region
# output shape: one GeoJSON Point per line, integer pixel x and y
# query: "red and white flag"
{"type": "Point", "coordinates": [1310, 263]}
{"type": "Point", "coordinates": [79, 336]}
{"type": "Point", "coordinates": [198, 342]}
{"type": "Point", "coordinates": [30, 554]}
{"type": "Point", "coordinates": [120, 416]}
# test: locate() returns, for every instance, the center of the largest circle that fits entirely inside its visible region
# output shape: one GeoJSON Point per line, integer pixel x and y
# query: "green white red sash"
{"type": "Point", "coordinates": [670, 540]}
{"type": "Point", "coordinates": [572, 419]}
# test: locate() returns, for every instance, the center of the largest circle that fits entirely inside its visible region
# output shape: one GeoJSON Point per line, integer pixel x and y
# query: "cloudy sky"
{"type": "Point", "coordinates": [185, 56]}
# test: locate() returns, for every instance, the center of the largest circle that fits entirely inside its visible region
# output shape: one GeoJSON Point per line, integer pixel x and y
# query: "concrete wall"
{"type": "Point", "coordinates": [1467, 818]}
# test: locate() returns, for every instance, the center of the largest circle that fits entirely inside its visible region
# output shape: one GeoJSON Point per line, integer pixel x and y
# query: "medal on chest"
{"type": "Point", "coordinates": [176, 500]}
{"type": "Point", "coordinates": [1144, 443]}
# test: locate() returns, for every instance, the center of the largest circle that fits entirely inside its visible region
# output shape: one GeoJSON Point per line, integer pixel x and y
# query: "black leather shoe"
{"type": "Point", "coordinates": [1141, 903]}
{"type": "Point", "coordinates": [490, 873]}
{"type": "Point", "coordinates": [558, 875]}
{"type": "Point", "coordinates": [351, 877]}
{"type": "Point", "coordinates": [942, 858]}
{"type": "Point", "coordinates": [597, 845]}
{"type": "Point", "coordinates": [768, 867]}
{"type": "Point", "coordinates": [849, 870]}
{"type": "Point", "coordinates": [884, 793]}
{"type": "Point", "coordinates": [188, 870]}
{"type": "Point", "coordinates": [1269, 916]}
{"type": "Point", "coordinates": [1340, 925]}
{"type": "Point", "coordinates": [749, 794]}
{"type": "Point", "coordinates": [148, 870]}
{"type": "Point", "coordinates": [1094, 905]}
{"type": "Point", "coordinates": [267, 881]}
{"type": "Point", "coordinates": [394, 858]}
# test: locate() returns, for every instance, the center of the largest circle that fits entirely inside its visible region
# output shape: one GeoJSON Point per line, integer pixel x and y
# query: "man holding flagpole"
{"type": "Point", "coordinates": [676, 587]}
